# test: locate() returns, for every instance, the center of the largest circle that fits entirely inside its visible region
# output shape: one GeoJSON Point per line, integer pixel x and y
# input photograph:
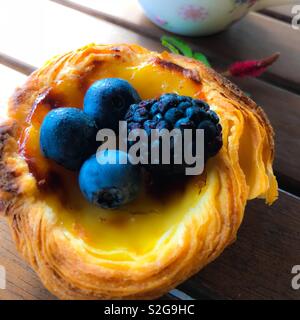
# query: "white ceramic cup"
{"type": "Point", "coordinates": [201, 17]}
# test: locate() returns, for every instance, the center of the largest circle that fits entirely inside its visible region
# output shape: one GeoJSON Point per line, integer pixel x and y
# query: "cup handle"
{"type": "Point", "coordinates": [262, 4]}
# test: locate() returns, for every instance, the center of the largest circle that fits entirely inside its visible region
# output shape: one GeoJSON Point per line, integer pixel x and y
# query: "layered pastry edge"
{"type": "Point", "coordinates": [65, 266]}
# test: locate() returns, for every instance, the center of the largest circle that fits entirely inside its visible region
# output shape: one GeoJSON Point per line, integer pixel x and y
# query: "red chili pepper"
{"type": "Point", "coordinates": [251, 68]}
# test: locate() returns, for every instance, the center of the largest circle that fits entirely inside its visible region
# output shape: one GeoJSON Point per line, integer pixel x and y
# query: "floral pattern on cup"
{"type": "Point", "coordinates": [193, 13]}
{"type": "Point", "coordinates": [250, 3]}
{"type": "Point", "coordinates": [160, 21]}
{"type": "Point", "coordinates": [238, 5]}
{"type": "Point", "coordinates": [200, 17]}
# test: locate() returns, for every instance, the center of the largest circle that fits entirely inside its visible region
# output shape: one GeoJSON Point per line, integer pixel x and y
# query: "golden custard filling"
{"type": "Point", "coordinates": [133, 229]}
{"type": "Point", "coordinates": [175, 227]}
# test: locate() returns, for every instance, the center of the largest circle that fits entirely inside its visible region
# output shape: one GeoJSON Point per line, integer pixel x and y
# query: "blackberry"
{"type": "Point", "coordinates": [174, 111]}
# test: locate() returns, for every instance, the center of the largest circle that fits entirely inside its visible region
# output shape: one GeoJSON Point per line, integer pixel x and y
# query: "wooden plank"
{"type": "Point", "coordinates": [68, 30]}
{"type": "Point", "coordinates": [21, 282]}
{"type": "Point", "coordinates": [254, 37]}
{"type": "Point", "coordinates": [258, 265]}
{"type": "Point", "coordinates": [17, 65]}
{"type": "Point", "coordinates": [9, 80]}
{"type": "Point", "coordinates": [283, 13]}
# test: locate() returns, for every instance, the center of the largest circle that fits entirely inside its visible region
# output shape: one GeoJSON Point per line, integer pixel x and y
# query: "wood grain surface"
{"type": "Point", "coordinates": [283, 13]}
{"type": "Point", "coordinates": [254, 36]}
{"type": "Point", "coordinates": [258, 265]}
{"type": "Point", "coordinates": [10, 79]}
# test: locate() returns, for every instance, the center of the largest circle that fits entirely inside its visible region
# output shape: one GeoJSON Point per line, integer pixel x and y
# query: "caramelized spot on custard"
{"type": "Point", "coordinates": [116, 49]}
{"type": "Point", "coordinates": [189, 73]}
{"type": "Point", "coordinates": [45, 102]}
{"type": "Point", "coordinates": [87, 73]}
{"type": "Point", "coordinates": [20, 96]}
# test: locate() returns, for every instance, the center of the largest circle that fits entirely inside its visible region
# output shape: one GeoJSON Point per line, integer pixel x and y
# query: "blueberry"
{"type": "Point", "coordinates": [169, 97]}
{"type": "Point", "coordinates": [213, 116]}
{"type": "Point", "coordinates": [171, 111]}
{"type": "Point", "coordinates": [134, 125]}
{"type": "Point", "coordinates": [155, 108]}
{"type": "Point", "coordinates": [173, 115]}
{"type": "Point", "coordinates": [183, 99]}
{"type": "Point", "coordinates": [209, 128]}
{"type": "Point", "coordinates": [184, 123]}
{"type": "Point", "coordinates": [158, 117]}
{"type": "Point", "coordinates": [110, 185]}
{"type": "Point", "coordinates": [202, 104]}
{"type": "Point", "coordinates": [214, 147]}
{"type": "Point", "coordinates": [164, 106]}
{"type": "Point", "coordinates": [108, 100]}
{"type": "Point", "coordinates": [140, 115]}
{"type": "Point", "coordinates": [167, 101]}
{"type": "Point", "coordinates": [147, 103]}
{"type": "Point", "coordinates": [196, 114]}
{"type": "Point", "coordinates": [184, 105]}
{"type": "Point", "coordinates": [131, 111]}
{"type": "Point", "coordinates": [163, 125]}
{"type": "Point", "coordinates": [68, 136]}
{"type": "Point", "coordinates": [149, 125]}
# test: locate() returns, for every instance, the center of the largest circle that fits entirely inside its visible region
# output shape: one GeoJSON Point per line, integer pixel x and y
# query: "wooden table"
{"type": "Point", "coordinates": [258, 265]}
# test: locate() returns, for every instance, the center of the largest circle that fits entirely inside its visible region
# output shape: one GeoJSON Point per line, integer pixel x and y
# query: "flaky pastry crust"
{"type": "Point", "coordinates": [241, 171]}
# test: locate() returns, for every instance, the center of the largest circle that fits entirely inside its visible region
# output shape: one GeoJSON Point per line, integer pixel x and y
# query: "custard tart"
{"type": "Point", "coordinates": [173, 229]}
